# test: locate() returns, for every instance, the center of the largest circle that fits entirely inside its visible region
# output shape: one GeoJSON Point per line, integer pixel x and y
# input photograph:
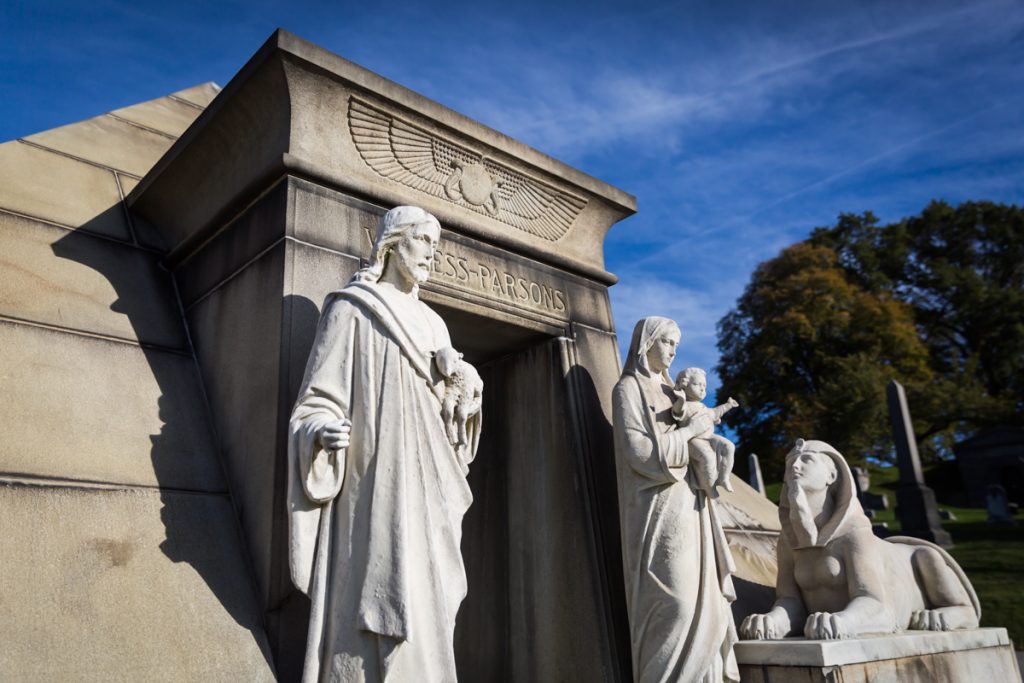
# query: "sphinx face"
{"type": "Point", "coordinates": [811, 471]}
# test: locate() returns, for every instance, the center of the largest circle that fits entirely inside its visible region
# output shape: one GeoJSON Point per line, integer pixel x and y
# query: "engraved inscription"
{"type": "Point", "coordinates": [497, 281]}
{"type": "Point", "coordinates": [421, 159]}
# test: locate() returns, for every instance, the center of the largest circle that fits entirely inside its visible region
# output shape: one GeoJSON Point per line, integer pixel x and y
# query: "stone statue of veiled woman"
{"type": "Point", "coordinates": [376, 490]}
{"type": "Point", "coordinates": [678, 570]}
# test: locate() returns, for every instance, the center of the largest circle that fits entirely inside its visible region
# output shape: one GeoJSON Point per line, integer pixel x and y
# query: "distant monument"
{"type": "Point", "coordinates": [756, 479]}
{"type": "Point", "coordinates": [870, 501]}
{"type": "Point", "coordinates": [994, 455]}
{"type": "Point", "coordinates": [915, 502]}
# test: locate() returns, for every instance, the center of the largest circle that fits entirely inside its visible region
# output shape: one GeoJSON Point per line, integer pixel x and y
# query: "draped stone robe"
{"type": "Point", "coordinates": [676, 559]}
{"type": "Point", "coordinates": [375, 529]}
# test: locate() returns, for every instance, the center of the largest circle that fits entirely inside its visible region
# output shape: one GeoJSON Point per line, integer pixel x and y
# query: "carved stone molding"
{"type": "Point", "coordinates": [408, 154]}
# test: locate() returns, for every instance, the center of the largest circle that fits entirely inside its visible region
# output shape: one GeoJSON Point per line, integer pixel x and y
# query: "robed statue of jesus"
{"type": "Point", "coordinates": [376, 490]}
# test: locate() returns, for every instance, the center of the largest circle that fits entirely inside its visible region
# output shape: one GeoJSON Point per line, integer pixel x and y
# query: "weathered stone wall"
{"type": "Point", "coordinates": [120, 554]}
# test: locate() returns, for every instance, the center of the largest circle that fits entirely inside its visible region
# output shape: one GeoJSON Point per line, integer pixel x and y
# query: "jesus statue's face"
{"type": "Point", "coordinates": [414, 254]}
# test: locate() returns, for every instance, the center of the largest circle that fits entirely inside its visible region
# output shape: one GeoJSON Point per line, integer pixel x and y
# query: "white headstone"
{"type": "Point", "coordinates": [998, 505]}
{"type": "Point", "coordinates": [756, 480]}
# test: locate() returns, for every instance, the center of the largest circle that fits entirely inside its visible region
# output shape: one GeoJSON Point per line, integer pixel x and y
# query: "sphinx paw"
{"type": "Point", "coordinates": [929, 620]}
{"type": "Point", "coordinates": [825, 626]}
{"type": "Point", "coordinates": [760, 627]}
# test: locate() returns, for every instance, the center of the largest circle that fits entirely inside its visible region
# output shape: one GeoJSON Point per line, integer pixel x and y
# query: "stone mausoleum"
{"type": "Point", "coordinates": [161, 276]}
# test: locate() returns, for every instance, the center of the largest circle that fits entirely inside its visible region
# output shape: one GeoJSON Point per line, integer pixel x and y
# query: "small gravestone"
{"type": "Point", "coordinates": [862, 478]}
{"type": "Point", "coordinates": [915, 502]}
{"type": "Point", "coordinates": [874, 501]}
{"type": "Point", "coordinates": [868, 501]}
{"type": "Point", "coordinates": [756, 480]}
{"type": "Point", "coordinates": [998, 505]}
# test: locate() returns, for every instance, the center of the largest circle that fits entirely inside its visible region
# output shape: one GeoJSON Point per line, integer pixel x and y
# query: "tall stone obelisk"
{"type": "Point", "coordinates": [915, 502]}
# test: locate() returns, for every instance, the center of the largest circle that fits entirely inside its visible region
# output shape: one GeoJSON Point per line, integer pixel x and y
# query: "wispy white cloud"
{"type": "Point", "coordinates": [574, 101]}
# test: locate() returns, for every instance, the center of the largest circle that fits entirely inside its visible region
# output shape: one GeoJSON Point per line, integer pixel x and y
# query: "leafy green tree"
{"type": "Point", "coordinates": [962, 271]}
{"type": "Point", "coordinates": [807, 353]}
{"type": "Point", "coordinates": [935, 301]}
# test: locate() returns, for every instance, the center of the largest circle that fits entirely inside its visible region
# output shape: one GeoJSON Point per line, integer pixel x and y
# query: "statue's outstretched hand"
{"type": "Point", "coordinates": [334, 436]}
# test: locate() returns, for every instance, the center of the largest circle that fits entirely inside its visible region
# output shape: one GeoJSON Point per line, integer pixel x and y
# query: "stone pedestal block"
{"type": "Point", "coordinates": [915, 656]}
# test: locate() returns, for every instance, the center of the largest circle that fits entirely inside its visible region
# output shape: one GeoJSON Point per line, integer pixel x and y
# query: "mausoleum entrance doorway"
{"type": "Point", "coordinates": [524, 543]}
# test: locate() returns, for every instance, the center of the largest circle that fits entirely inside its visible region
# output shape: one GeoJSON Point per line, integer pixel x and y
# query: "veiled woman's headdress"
{"type": "Point", "coordinates": [647, 331]}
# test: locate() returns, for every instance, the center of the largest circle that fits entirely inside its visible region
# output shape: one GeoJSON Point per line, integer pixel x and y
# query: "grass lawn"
{"type": "Point", "coordinates": [991, 555]}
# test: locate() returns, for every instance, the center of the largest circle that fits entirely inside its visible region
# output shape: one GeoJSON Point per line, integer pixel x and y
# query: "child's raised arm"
{"type": "Point", "coordinates": [721, 410]}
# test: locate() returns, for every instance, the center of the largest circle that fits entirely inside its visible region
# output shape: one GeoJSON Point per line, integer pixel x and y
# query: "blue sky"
{"type": "Point", "coordinates": [739, 126]}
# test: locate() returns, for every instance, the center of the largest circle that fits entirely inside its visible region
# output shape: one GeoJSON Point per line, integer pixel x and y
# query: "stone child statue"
{"type": "Point", "coordinates": [837, 579]}
{"type": "Point", "coordinates": [711, 453]}
{"type": "Point", "coordinates": [376, 488]}
{"type": "Point", "coordinates": [463, 394]}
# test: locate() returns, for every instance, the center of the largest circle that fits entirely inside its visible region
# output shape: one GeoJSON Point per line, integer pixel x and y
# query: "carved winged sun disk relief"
{"type": "Point", "coordinates": [402, 151]}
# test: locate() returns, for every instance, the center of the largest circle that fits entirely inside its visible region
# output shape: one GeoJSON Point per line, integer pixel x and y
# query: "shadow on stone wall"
{"type": "Point", "coordinates": [221, 562]}
{"type": "Point", "coordinates": [288, 616]}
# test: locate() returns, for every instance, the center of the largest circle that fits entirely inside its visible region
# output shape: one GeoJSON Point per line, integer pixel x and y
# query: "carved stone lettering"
{"type": "Point", "coordinates": [421, 159]}
{"type": "Point", "coordinates": [458, 267]}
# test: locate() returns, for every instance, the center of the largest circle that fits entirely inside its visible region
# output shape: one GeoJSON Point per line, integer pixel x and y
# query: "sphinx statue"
{"type": "Point", "coordinates": [837, 579]}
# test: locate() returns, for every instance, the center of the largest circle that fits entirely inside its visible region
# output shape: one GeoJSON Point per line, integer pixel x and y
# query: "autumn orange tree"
{"type": "Point", "coordinates": [935, 301]}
